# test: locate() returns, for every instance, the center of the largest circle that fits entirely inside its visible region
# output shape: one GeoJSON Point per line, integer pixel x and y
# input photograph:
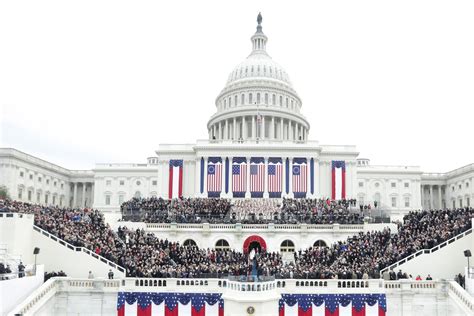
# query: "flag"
{"type": "Point", "coordinates": [275, 172]}
{"type": "Point", "coordinates": [169, 304]}
{"type": "Point", "coordinates": [338, 179]}
{"type": "Point", "coordinates": [239, 176]}
{"type": "Point", "coordinates": [300, 177]}
{"type": "Point", "coordinates": [257, 177]}
{"type": "Point", "coordinates": [175, 181]}
{"type": "Point", "coordinates": [333, 305]}
{"type": "Point", "coordinates": [214, 177]}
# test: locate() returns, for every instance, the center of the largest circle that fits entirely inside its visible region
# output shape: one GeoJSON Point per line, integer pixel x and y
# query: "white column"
{"type": "Point", "coordinates": [431, 197]}
{"type": "Point", "coordinates": [283, 183]}
{"type": "Point", "coordinates": [197, 176]}
{"type": "Point", "coordinates": [92, 194]}
{"type": "Point", "coordinates": [226, 129]}
{"type": "Point", "coordinates": [83, 198]}
{"type": "Point", "coordinates": [290, 175]}
{"type": "Point", "coordinates": [223, 194]}
{"type": "Point", "coordinates": [262, 127]}
{"type": "Point", "coordinates": [205, 177]}
{"type": "Point", "coordinates": [253, 128]}
{"type": "Point", "coordinates": [247, 192]}
{"type": "Point", "coordinates": [244, 128]}
{"type": "Point", "coordinates": [290, 130]}
{"type": "Point", "coordinates": [308, 176]}
{"type": "Point", "coordinates": [265, 180]}
{"type": "Point", "coordinates": [282, 135]}
{"type": "Point", "coordinates": [440, 198]}
{"type": "Point", "coordinates": [422, 197]}
{"type": "Point", "coordinates": [272, 128]}
{"type": "Point", "coordinates": [234, 129]}
{"type": "Point", "coordinates": [317, 176]}
{"type": "Point", "coordinates": [74, 198]}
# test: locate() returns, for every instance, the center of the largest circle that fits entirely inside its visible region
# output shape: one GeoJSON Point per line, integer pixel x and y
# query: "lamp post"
{"type": "Point", "coordinates": [467, 254]}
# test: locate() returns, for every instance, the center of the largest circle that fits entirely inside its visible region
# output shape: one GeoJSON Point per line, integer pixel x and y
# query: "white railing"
{"type": "Point", "coordinates": [461, 296]}
{"type": "Point", "coordinates": [81, 249]}
{"type": "Point", "coordinates": [40, 296]}
{"type": "Point", "coordinates": [64, 284]}
{"type": "Point", "coordinates": [269, 226]}
{"type": "Point", "coordinates": [426, 251]}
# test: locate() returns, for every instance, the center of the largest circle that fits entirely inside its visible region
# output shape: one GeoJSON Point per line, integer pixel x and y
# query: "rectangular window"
{"type": "Point", "coordinates": [107, 199]}
{"type": "Point", "coordinates": [47, 181]}
{"type": "Point", "coordinates": [468, 202]}
{"type": "Point", "coordinates": [54, 183]}
{"type": "Point", "coordinates": [394, 202]}
{"type": "Point", "coordinates": [46, 199]}
{"type": "Point", "coordinates": [154, 182]}
{"type": "Point", "coordinates": [460, 202]}
{"type": "Point", "coordinates": [20, 194]}
{"type": "Point", "coordinates": [54, 199]}
{"type": "Point", "coordinates": [108, 182]}
{"type": "Point", "coordinates": [454, 204]}
{"type": "Point", "coordinates": [394, 185]}
{"type": "Point", "coordinates": [121, 199]}
{"type": "Point", "coordinates": [460, 188]}
{"type": "Point", "coordinates": [122, 182]}
{"type": "Point", "coordinates": [39, 179]}
{"type": "Point", "coordinates": [62, 185]}
{"type": "Point", "coordinates": [29, 195]}
{"type": "Point", "coordinates": [361, 184]}
{"type": "Point", "coordinates": [21, 174]}
{"type": "Point", "coordinates": [31, 177]}
{"type": "Point", "coordinates": [407, 184]}
{"type": "Point", "coordinates": [407, 202]}
{"type": "Point", "coordinates": [38, 197]}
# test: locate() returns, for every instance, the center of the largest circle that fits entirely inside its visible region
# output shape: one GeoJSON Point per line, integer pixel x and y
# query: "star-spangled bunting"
{"type": "Point", "coordinates": [145, 300]}
{"type": "Point", "coordinates": [333, 302]}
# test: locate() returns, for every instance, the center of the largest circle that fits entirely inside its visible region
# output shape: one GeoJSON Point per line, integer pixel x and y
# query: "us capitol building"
{"type": "Point", "coordinates": [258, 147]}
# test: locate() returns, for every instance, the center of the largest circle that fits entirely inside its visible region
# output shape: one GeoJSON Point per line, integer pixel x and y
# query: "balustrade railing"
{"type": "Point", "coordinates": [79, 249]}
{"type": "Point", "coordinates": [41, 295]}
{"type": "Point", "coordinates": [426, 251]}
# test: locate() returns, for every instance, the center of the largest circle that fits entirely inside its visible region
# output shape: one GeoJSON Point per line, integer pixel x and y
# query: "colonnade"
{"type": "Point", "coordinates": [258, 127]}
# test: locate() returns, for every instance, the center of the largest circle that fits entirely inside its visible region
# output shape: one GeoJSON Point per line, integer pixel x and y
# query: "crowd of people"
{"type": "Point", "coordinates": [49, 275]}
{"type": "Point", "coordinates": [143, 254]}
{"type": "Point", "coordinates": [182, 210]}
{"type": "Point", "coordinates": [247, 211]}
{"type": "Point", "coordinates": [320, 211]}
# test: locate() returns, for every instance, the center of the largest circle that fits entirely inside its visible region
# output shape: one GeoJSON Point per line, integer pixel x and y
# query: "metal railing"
{"type": "Point", "coordinates": [426, 251]}
{"type": "Point", "coordinates": [79, 249]}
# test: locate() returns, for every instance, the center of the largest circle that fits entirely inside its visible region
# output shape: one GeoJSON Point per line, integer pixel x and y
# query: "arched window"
{"type": "Point", "coordinates": [225, 103]}
{"type": "Point", "coordinates": [230, 101]}
{"type": "Point", "coordinates": [235, 100]}
{"type": "Point", "coordinates": [287, 246]}
{"type": "Point", "coordinates": [274, 99]}
{"type": "Point", "coordinates": [320, 243]}
{"type": "Point", "coordinates": [286, 102]}
{"type": "Point", "coordinates": [250, 98]}
{"type": "Point", "coordinates": [242, 99]}
{"type": "Point", "coordinates": [258, 98]}
{"type": "Point", "coordinates": [189, 242]}
{"type": "Point", "coordinates": [281, 100]}
{"type": "Point", "coordinates": [266, 98]}
{"type": "Point", "coordinates": [222, 244]}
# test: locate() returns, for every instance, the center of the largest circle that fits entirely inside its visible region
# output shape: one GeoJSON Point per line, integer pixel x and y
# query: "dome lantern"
{"type": "Point", "coordinates": [259, 40]}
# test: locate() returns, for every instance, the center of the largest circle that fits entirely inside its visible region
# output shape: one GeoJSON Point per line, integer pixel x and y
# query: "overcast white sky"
{"type": "Point", "coordinates": [107, 81]}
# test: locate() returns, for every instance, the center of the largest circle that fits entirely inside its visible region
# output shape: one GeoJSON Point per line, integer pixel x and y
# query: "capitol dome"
{"type": "Point", "coordinates": [258, 101]}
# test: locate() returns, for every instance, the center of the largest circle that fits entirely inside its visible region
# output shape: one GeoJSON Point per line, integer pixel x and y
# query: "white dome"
{"type": "Point", "coordinates": [258, 66]}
